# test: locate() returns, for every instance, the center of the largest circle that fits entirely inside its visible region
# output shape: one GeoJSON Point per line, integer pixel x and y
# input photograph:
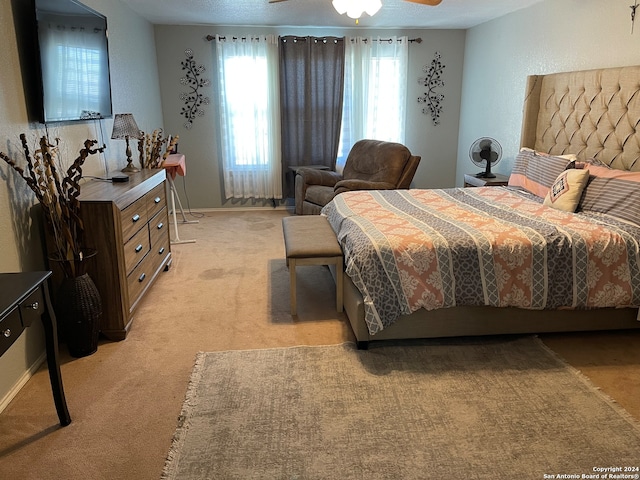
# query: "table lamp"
{"type": "Point", "coordinates": [124, 126]}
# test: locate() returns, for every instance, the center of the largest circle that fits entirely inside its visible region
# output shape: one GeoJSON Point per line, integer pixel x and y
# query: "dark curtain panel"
{"type": "Point", "coordinates": [311, 88]}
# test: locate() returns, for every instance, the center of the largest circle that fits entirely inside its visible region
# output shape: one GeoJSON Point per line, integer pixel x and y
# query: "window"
{"type": "Point", "coordinates": [374, 103]}
{"type": "Point", "coordinates": [246, 94]}
{"type": "Point", "coordinates": [374, 92]}
{"type": "Point", "coordinates": [249, 116]}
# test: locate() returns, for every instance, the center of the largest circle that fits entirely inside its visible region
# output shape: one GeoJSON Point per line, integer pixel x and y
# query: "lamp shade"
{"type": "Point", "coordinates": [124, 125]}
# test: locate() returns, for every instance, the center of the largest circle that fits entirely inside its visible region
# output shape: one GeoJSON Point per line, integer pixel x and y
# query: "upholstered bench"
{"type": "Point", "coordinates": [310, 240]}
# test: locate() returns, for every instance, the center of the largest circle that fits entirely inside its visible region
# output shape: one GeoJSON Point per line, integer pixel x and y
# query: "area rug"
{"type": "Point", "coordinates": [500, 408]}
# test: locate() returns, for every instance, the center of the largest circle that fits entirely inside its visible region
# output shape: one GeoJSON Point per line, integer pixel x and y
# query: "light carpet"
{"type": "Point", "coordinates": [464, 408]}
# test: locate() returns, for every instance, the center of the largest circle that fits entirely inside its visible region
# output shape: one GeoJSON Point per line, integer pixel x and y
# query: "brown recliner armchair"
{"type": "Point", "coordinates": [371, 165]}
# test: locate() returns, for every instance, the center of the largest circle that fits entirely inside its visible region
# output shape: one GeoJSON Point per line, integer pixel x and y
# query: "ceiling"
{"type": "Point", "coordinates": [450, 14]}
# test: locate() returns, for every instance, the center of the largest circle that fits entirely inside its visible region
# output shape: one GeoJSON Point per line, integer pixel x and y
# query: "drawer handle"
{"type": "Point", "coordinates": [33, 306]}
{"type": "Point", "coordinates": [161, 251]}
{"type": "Point", "coordinates": [135, 218]}
{"type": "Point", "coordinates": [138, 248]}
{"type": "Point", "coordinates": [156, 200]}
{"type": "Point", "coordinates": [160, 225]}
{"type": "Point", "coordinates": [142, 277]}
{"type": "Point", "coordinates": [7, 333]}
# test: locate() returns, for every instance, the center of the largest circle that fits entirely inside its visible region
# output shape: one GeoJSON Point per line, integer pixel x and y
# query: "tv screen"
{"type": "Point", "coordinates": [74, 61]}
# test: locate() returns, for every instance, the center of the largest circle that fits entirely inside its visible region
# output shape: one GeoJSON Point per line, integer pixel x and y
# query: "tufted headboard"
{"type": "Point", "coordinates": [592, 113]}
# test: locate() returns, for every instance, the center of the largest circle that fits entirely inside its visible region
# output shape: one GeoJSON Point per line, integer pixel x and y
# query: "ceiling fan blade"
{"type": "Point", "coordinates": [432, 3]}
{"type": "Point", "coordinates": [276, 1]}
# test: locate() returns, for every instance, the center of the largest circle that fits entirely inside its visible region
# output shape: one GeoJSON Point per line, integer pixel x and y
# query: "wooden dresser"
{"type": "Point", "coordinates": [127, 224]}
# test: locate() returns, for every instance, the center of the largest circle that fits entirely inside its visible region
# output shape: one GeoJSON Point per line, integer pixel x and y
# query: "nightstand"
{"type": "Point", "coordinates": [470, 180]}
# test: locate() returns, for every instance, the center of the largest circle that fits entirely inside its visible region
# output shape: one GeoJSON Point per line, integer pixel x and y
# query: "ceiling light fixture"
{"type": "Point", "coordinates": [355, 8]}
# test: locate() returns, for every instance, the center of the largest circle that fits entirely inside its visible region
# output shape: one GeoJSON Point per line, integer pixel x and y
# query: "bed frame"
{"type": "Point", "coordinates": [591, 113]}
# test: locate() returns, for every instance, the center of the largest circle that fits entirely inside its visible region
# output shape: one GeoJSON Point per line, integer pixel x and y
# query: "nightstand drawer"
{"type": "Point", "coordinates": [136, 248]}
{"type": "Point", "coordinates": [133, 217]}
{"type": "Point", "coordinates": [10, 329]}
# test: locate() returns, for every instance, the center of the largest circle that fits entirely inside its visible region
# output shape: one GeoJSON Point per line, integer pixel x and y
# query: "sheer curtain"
{"type": "Point", "coordinates": [375, 91]}
{"type": "Point", "coordinates": [249, 116]}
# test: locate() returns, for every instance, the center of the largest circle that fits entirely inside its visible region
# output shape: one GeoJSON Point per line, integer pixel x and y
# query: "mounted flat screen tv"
{"type": "Point", "coordinates": [74, 61]}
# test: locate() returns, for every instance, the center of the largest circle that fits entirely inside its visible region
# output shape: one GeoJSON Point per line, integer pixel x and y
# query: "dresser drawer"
{"type": "Point", "coordinates": [159, 238]}
{"type": "Point", "coordinates": [158, 226]}
{"type": "Point", "coordinates": [155, 200]}
{"type": "Point", "coordinates": [138, 280]}
{"type": "Point", "coordinates": [133, 217]}
{"type": "Point", "coordinates": [136, 248]}
{"type": "Point", "coordinates": [32, 308]}
{"type": "Point", "coordinates": [10, 329]}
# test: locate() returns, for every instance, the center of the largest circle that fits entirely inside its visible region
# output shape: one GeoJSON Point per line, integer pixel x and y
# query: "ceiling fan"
{"type": "Point", "coordinates": [355, 8]}
{"type": "Point", "coordinates": [432, 3]}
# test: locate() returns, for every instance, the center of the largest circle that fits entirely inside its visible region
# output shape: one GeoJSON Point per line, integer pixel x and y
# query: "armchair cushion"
{"type": "Point", "coordinates": [312, 176]}
{"type": "Point", "coordinates": [356, 184]}
{"type": "Point", "coordinates": [319, 195]}
{"type": "Point", "coordinates": [376, 161]}
{"type": "Point", "coordinates": [371, 165]}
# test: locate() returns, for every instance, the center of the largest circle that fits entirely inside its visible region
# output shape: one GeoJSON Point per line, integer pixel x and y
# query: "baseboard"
{"type": "Point", "coordinates": [6, 400]}
{"type": "Point", "coordinates": [238, 209]}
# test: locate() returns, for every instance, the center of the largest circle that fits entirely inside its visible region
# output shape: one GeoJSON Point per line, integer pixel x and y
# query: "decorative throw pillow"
{"type": "Point", "coordinates": [537, 171]}
{"type": "Point", "coordinates": [614, 192]}
{"type": "Point", "coordinates": [596, 163]}
{"type": "Point", "coordinates": [566, 191]}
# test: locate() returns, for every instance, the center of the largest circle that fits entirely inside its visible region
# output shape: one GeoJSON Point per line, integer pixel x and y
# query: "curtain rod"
{"type": "Point", "coordinates": [213, 37]}
{"type": "Point", "coordinates": [417, 40]}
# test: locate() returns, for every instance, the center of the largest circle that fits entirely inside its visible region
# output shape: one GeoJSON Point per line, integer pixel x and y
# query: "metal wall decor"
{"type": "Point", "coordinates": [193, 100]}
{"type": "Point", "coordinates": [633, 13]}
{"type": "Point", "coordinates": [432, 81]}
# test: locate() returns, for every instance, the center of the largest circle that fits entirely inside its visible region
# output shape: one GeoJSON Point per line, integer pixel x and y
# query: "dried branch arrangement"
{"type": "Point", "coordinates": [57, 195]}
{"type": "Point", "coordinates": [151, 146]}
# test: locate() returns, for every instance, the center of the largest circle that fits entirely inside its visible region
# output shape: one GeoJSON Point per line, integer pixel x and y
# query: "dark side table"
{"type": "Point", "coordinates": [471, 180]}
{"type": "Point", "coordinates": [24, 297]}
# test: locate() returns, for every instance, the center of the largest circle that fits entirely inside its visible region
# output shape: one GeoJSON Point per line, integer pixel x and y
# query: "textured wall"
{"type": "Point", "coordinates": [436, 144]}
{"type": "Point", "coordinates": [552, 36]}
{"type": "Point", "coordinates": [135, 89]}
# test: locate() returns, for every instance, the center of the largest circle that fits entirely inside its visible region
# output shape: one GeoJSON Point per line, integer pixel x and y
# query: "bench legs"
{"type": "Point", "coordinates": [292, 286]}
{"type": "Point", "coordinates": [294, 262]}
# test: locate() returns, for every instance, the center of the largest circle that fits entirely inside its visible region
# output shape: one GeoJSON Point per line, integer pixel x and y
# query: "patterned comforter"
{"type": "Point", "coordinates": [495, 246]}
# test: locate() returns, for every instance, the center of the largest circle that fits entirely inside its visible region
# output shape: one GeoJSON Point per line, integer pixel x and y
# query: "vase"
{"type": "Point", "coordinates": [79, 308]}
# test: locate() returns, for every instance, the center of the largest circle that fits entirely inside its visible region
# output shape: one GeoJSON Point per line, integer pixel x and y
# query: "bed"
{"type": "Point", "coordinates": [505, 260]}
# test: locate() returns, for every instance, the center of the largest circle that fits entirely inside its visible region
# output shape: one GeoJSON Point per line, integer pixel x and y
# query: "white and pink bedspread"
{"type": "Point", "coordinates": [412, 249]}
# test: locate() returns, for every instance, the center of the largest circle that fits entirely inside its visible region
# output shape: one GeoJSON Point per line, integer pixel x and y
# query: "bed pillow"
{"type": "Point", "coordinates": [537, 171]}
{"type": "Point", "coordinates": [566, 191]}
{"type": "Point", "coordinates": [612, 191]}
